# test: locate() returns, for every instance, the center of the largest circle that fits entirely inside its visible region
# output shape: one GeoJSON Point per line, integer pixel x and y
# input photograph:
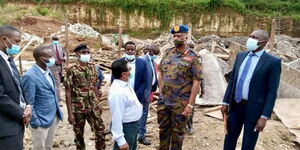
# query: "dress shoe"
{"type": "Point", "coordinates": [144, 141]}
{"type": "Point", "coordinates": [190, 131]}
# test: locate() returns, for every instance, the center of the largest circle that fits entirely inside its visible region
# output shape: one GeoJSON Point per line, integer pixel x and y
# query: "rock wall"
{"type": "Point", "coordinates": [224, 22]}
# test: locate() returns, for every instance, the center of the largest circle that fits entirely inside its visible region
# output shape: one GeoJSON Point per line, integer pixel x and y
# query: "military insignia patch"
{"type": "Point", "coordinates": [188, 58]}
{"type": "Point", "coordinates": [176, 28]}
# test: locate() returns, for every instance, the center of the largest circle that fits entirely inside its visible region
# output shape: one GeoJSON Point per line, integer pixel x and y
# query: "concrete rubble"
{"type": "Point", "coordinates": [82, 29]}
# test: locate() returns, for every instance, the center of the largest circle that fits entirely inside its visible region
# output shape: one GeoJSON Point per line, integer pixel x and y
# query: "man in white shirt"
{"type": "Point", "coordinates": [39, 85]}
{"type": "Point", "coordinates": [125, 108]}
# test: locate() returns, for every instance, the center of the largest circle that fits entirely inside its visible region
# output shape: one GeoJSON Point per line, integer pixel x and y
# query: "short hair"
{"type": "Point", "coordinates": [129, 42]}
{"type": "Point", "coordinates": [190, 44]}
{"type": "Point", "coordinates": [6, 30]}
{"type": "Point", "coordinates": [55, 38]}
{"type": "Point", "coordinates": [39, 51]}
{"type": "Point", "coordinates": [118, 67]}
{"type": "Point", "coordinates": [154, 47]}
{"type": "Point", "coordinates": [81, 47]}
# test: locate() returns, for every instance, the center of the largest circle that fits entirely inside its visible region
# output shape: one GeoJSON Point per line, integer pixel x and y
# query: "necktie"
{"type": "Point", "coordinates": [58, 61]}
{"type": "Point", "coordinates": [16, 78]}
{"type": "Point", "coordinates": [239, 88]}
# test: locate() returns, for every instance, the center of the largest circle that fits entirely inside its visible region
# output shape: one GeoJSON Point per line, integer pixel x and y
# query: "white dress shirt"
{"type": "Point", "coordinates": [125, 108]}
{"type": "Point", "coordinates": [46, 75]}
{"type": "Point", "coordinates": [252, 67]}
{"type": "Point", "coordinates": [153, 70]}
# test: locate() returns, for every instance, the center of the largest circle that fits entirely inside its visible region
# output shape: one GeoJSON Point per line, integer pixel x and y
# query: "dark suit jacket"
{"type": "Point", "coordinates": [263, 85]}
{"type": "Point", "coordinates": [10, 111]}
{"type": "Point", "coordinates": [141, 79]}
{"type": "Point", "coordinates": [150, 88]}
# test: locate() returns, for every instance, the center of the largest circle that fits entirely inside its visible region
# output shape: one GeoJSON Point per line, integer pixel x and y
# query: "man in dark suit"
{"type": "Point", "coordinates": [251, 92]}
{"type": "Point", "coordinates": [139, 74]}
{"type": "Point", "coordinates": [14, 111]}
{"type": "Point", "coordinates": [58, 53]}
{"type": "Point", "coordinates": [149, 58]}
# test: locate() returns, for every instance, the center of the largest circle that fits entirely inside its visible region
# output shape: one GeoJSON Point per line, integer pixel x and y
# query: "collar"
{"type": "Point", "coordinates": [148, 56]}
{"type": "Point", "coordinates": [179, 52]}
{"type": "Point", "coordinates": [121, 82]}
{"type": "Point", "coordinates": [132, 62]}
{"type": "Point", "coordinates": [4, 56]}
{"type": "Point", "coordinates": [258, 54]}
{"type": "Point", "coordinates": [42, 70]}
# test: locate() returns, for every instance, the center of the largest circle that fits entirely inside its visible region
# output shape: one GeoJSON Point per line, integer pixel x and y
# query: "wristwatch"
{"type": "Point", "coordinates": [191, 106]}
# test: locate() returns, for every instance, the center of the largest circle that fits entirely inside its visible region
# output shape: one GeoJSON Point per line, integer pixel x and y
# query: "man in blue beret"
{"type": "Point", "coordinates": [180, 73]}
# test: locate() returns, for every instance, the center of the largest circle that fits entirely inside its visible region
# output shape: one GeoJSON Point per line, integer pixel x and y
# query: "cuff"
{"type": "Point", "coordinates": [224, 103]}
{"type": "Point", "coordinates": [121, 141]}
{"type": "Point", "coordinates": [264, 117]}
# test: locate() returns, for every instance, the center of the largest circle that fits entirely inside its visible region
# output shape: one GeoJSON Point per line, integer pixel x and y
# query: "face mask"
{"type": "Point", "coordinates": [51, 62]}
{"type": "Point", "coordinates": [130, 76]}
{"type": "Point", "coordinates": [85, 58]}
{"type": "Point", "coordinates": [252, 44]}
{"type": "Point", "coordinates": [15, 49]}
{"type": "Point", "coordinates": [55, 42]}
{"type": "Point", "coordinates": [178, 43]}
{"type": "Point", "coordinates": [129, 57]}
{"type": "Point", "coordinates": [153, 57]}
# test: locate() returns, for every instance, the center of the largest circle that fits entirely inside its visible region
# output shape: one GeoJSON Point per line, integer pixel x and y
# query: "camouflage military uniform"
{"type": "Point", "coordinates": [85, 104]}
{"type": "Point", "coordinates": [178, 70]}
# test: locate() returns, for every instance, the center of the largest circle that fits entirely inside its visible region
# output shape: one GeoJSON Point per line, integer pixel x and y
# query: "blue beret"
{"type": "Point", "coordinates": [81, 47]}
{"type": "Point", "coordinates": [180, 29]}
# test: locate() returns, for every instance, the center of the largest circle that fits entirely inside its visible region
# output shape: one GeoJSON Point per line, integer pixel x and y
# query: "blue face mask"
{"type": "Point", "coordinates": [51, 62]}
{"type": "Point", "coordinates": [55, 42]}
{"type": "Point", "coordinates": [129, 57]}
{"type": "Point", "coordinates": [153, 57]}
{"type": "Point", "coordinates": [252, 44]}
{"type": "Point", "coordinates": [15, 49]}
{"type": "Point", "coordinates": [85, 58]}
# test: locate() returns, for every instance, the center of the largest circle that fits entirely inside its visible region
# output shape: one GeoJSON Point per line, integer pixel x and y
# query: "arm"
{"type": "Point", "coordinates": [68, 88]}
{"type": "Point", "coordinates": [144, 82]}
{"type": "Point", "coordinates": [29, 88]}
{"type": "Point", "coordinates": [273, 83]}
{"type": "Point", "coordinates": [195, 89]}
{"type": "Point", "coordinates": [230, 84]}
{"type": "Point", "coordinates": [8, 107]}
{"type": "Point", "coordinates": [117, 108]}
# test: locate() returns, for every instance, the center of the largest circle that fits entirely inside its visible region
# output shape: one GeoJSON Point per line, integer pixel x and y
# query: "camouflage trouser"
{"type": "Point", "coordinates": [97, 126]}
{"type": "Point", "coordinates": [172, 126]}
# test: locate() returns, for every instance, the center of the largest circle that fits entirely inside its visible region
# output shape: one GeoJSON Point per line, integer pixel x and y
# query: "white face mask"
{"type": "Point", "coordinates": [129, 57]}
{"type": "Point", "coordinates": [252, 44]}
{"type": "Point", "coordinates": [85, 58]}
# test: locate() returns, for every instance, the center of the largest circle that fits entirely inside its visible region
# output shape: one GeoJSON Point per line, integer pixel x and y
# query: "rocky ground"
{"type": "Point", "coordinates": [209, 134]}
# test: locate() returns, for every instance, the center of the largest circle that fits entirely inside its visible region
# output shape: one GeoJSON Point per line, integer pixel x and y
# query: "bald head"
{"type": "Point", "coordinates": [8, 30]}
{"type": "Point", "coordinates": [190, 44]}
{"type": "Point", "coordinates": [153, 49]}
{"type": "Point", "coordinates": [41, 51]}
{"type": "Point", "coordinates": [261, 35]}
{"type": "Point", "coordinates": [9, 35]}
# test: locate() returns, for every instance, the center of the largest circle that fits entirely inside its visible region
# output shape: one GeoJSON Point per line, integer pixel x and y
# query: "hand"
{"type": "Point", "coordinates": [260, 125]}
{"type": "Point", "coordinates": [71, 119]}
{"type": "Point", "coordinates": [124, 147]}
{"type": "Point", "coordinates": [187, 111]}
{"type": "Point", "coordinates": [27, 115]}
{"type": "Point", "coordinates": [224, 109]}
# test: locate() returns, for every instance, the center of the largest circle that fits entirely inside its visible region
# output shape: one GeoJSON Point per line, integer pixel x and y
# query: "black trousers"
{"type": "Point", "coordinates": [14, 142]}
{"type": "Point", "coordinates": [236, 120]}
